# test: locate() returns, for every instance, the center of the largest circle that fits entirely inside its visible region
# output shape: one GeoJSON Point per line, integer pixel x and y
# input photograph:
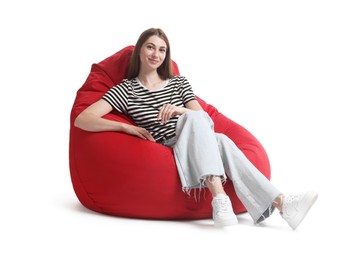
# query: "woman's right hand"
{"type": "Point", "coordinates": [138, 131]}
{"type": "Point", "coordinates": [91, 119]}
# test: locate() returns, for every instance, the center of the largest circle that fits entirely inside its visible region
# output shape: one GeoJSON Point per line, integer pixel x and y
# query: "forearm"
{"type": "Point", "coordinates": [185, 109]}
{"type": "Point", "coordinates": [89, 122]}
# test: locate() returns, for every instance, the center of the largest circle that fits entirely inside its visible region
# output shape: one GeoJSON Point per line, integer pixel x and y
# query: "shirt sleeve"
{"type": "Point", "coordinates": [117, 97]}
{"type": "Point", "coordinates": [187, 92]}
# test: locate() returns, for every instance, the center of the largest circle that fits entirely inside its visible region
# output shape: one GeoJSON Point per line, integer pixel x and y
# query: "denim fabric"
{"type": "Point", "coordinates": [200, 153]}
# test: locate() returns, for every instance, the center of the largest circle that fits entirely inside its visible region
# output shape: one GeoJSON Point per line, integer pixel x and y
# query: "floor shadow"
{"type": "Point", "coordinates": [207, 224]}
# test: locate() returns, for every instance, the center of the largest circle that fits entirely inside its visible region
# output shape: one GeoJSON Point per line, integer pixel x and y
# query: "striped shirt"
{"type": "Point", "coordinates": [131, 98]}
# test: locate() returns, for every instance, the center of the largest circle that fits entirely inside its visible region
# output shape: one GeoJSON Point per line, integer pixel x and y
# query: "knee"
{"type": "Point", "coordinates": [197, 116]}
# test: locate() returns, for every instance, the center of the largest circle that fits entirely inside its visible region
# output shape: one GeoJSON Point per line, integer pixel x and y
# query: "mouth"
{"type": "Point", "coordinates": [152, 61]}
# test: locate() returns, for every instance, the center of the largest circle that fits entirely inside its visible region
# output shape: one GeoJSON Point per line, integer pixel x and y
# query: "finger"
{"type": "Point", "coordinates": [160, 114]}
{"type": "Point", "coordinates": [166, 113]}
{"type": "Point", "coordinates": [150, 137]}
{"type": "Point", "coordinates": [147, 135]}
{"type": "Point", "coordinates": [169, 114]}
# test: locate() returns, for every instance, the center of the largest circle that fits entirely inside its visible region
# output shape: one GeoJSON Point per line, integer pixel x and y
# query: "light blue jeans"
{"type": "Point", "coordinates": [201, 153]}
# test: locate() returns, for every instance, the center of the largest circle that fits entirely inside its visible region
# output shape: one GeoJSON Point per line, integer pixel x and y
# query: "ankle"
{"type": "Point", "coordinates": [214, 185]}
{"type": "Point", "coordinates": [278, 203]}
{"type": "Point", "coordinates": [219, 195]}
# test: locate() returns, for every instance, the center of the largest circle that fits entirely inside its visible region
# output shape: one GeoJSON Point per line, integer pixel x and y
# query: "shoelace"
{"type": "Point", "coordinates": [222, 205]}
{"type": "Point", "coordinates": [291, 200]}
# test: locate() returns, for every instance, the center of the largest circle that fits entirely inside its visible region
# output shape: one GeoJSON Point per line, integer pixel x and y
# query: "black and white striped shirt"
{"type": "Point", "coordinates": [130, 97]}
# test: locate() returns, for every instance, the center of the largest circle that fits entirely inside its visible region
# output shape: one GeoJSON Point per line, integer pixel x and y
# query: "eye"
{"type": "Point", "coordinates": [163, 50]}
{"type": "Point", "coordinates": [150, 47]}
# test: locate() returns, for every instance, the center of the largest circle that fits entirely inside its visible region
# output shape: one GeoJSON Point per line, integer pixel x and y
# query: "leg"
{"type": "Point", "coordinates": [200, 154]}
{"type": "Point", "coordinates": [199, 163]}
{"type": "Point", "coordinates": [196, 150]}
{"type": "Point", "coordinates": [214, 184]}
{"type": "Point", "coordinates": [254, 190]}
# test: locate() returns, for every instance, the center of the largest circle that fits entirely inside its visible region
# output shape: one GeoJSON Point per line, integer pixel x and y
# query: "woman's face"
{"type": "Point", "coordinates": [153, 53]}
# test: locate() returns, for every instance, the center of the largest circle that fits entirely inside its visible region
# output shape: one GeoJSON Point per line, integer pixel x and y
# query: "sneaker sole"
{"type": "Point", "coordinates": [226, 222]}
{"type": "Point", "coordinates": [310, 197]}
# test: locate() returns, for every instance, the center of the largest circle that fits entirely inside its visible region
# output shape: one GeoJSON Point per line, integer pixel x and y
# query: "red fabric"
{"type": "Point", "coordinates": [118, 174]}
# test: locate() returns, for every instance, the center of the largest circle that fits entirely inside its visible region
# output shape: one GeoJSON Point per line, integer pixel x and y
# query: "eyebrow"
{"type": "Point", "coordinates": [155, 45]}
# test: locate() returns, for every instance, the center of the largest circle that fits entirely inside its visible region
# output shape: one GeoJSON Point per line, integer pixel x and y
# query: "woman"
{"type": "Point", "coordinates": [165, 110]}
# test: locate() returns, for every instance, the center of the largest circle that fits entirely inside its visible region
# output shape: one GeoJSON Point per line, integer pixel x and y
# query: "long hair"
{"type": "Point", "coordinates": [165, 70]}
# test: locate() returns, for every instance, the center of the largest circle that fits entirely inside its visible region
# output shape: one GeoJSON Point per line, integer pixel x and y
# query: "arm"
{"type": "Point", "coordinates": [91, 119]}
{"type": "Point", "coordinates": [168, 110]}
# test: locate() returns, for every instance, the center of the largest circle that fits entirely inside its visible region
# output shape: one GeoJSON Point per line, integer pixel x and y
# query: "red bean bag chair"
{"type": "Point", "coordinates": [122, 175]}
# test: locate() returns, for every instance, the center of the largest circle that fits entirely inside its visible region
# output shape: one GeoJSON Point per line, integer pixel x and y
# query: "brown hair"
{"type": "Point", "coordinates": [165, 70]}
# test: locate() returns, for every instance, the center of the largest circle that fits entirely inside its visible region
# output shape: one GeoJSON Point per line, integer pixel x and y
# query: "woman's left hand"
{"type": "Point", "coordinates": [168, 111]}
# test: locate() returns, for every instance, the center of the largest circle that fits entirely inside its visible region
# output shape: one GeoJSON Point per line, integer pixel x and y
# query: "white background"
{"type": "Point", "coordinates": [285, 70]}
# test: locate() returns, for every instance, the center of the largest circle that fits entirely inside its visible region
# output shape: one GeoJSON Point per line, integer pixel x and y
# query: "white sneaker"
{"type": "Point", "coordinates": [295, 208]}
{"type": "Point", "coordinates": [223, 214]}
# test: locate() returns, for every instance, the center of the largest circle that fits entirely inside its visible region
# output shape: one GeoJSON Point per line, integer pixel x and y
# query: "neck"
{"type": "Point", "coordinates": [151, 80]}
{"type": "Point", "coordinates": [149, 76]}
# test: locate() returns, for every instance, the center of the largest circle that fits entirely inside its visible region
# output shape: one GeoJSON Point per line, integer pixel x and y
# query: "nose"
{"type": "Point", "coordinates": [155, 53]}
